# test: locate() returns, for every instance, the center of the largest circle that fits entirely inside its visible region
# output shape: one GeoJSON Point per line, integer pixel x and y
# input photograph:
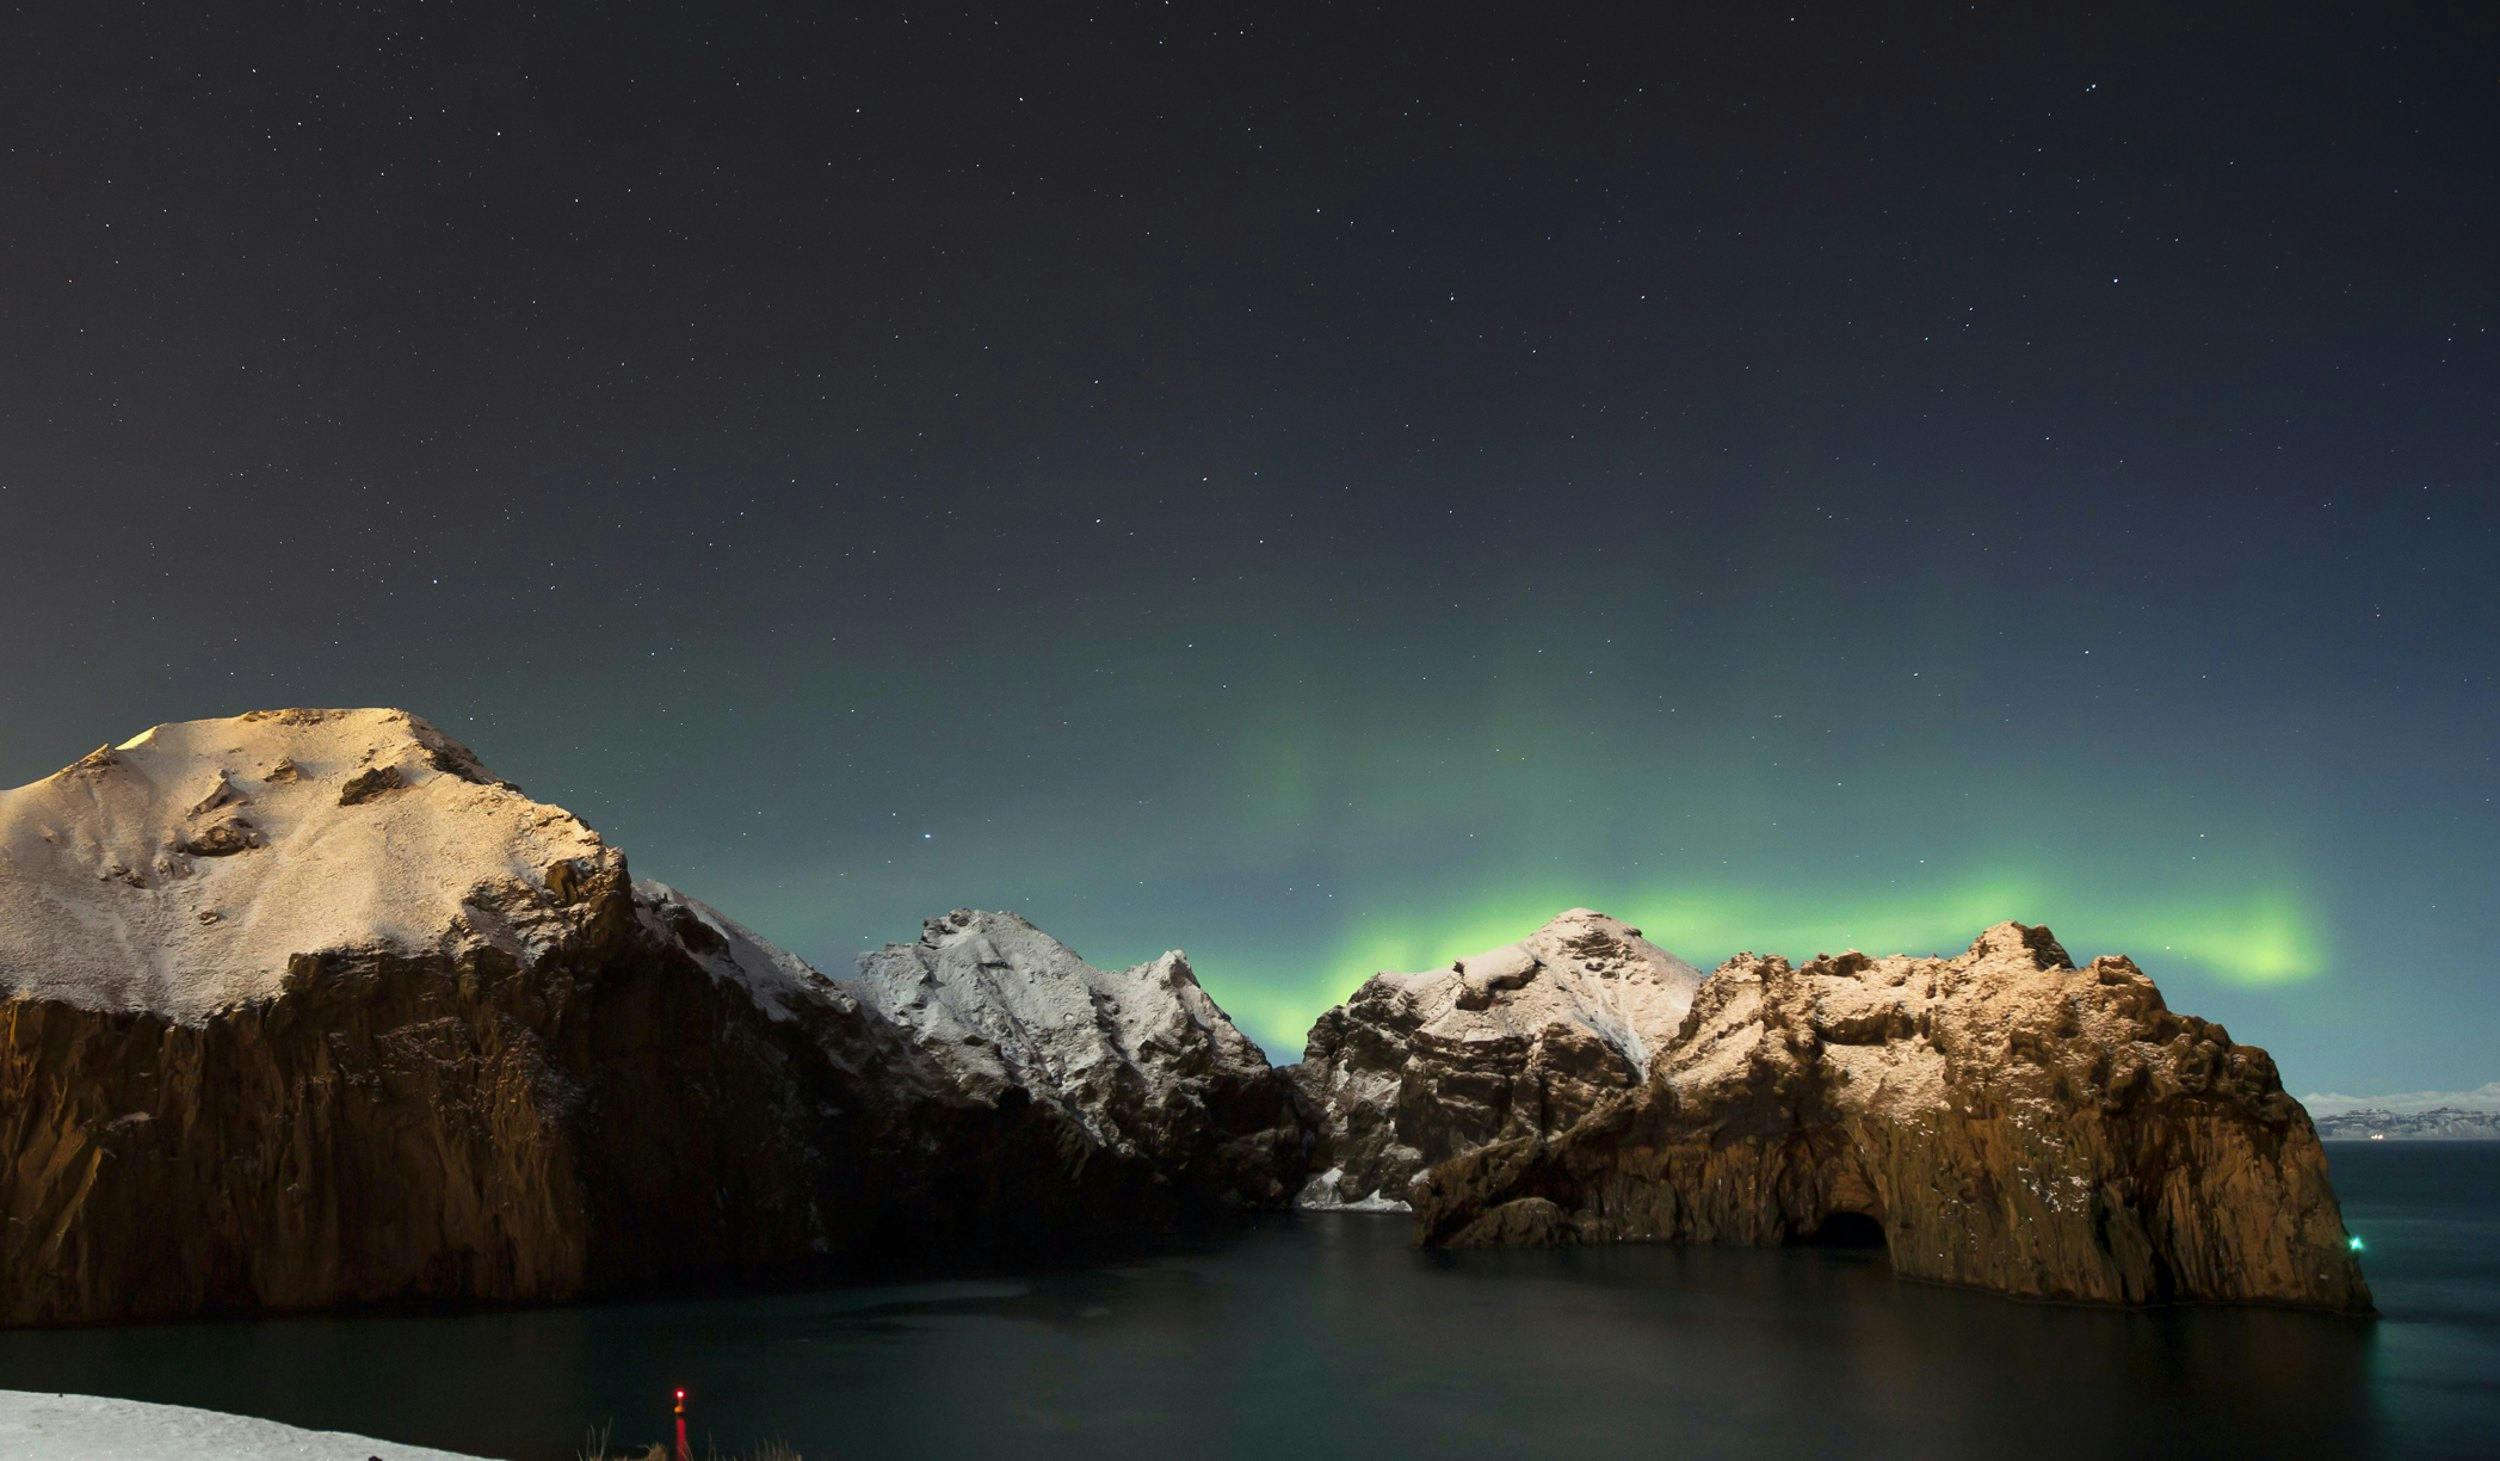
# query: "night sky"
{"type": "Point", "coordinates": [1326, 490]}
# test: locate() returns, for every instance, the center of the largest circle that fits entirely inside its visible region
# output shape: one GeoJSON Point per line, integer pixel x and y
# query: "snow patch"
{"type": "Point", "coordinates": [38, 1427]}
{"type": "Point", "coordinates": [1583, 969]}
{"type": "Point", "coordinates": [776, 979]}
{"type": "Point", "coordinates": [1325, 1193]}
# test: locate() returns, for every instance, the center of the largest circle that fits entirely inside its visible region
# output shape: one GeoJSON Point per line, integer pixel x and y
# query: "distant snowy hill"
{"type": "Point", "coordinates": [2410, 1116]}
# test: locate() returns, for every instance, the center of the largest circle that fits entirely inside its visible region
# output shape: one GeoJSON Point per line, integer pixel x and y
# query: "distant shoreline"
{"type": "Point", "coordinates": [2363, 1138]}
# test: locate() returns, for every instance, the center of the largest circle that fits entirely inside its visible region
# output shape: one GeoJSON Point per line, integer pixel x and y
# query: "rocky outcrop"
{"type": "Point", "coordinates": [1523, 1039]}
{"type": "Point", "coordinates": [429, 1040]}
{"type": "Point", "coordinates": [2002, 1118]}
{"type": "Point", "coordinates": [1140, 1059]}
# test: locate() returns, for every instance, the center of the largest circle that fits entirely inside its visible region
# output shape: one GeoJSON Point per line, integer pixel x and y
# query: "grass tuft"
{"type": "Point", "coordinates": [598, 1445]}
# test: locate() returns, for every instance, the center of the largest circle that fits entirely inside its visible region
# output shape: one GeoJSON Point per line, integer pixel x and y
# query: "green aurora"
{"type": "Point", "coordinates": [1341, 536]}
{"type": "Point", "coordinates": [2261, 938]}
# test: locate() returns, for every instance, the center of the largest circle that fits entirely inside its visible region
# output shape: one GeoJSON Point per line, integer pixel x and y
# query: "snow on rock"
{"type": "Point", "coordinates": [2007, 1120]}
{"type": "Point", "coordinates": [39, 1427]}
{"type": "Point", "coordinates": [1326, 1192]}
{"type": "Point", "coordinates": [182, 871]}
{"type": "Point", "coordinates": [304, 1008]}
{"type": "Point", "coordinates": [1415, 1068]}
{"type": "Point", "coordinates": [179, 871]}
{"type": "Point", "coordinates": [1141, 1058]}
{"type": "Point", "coordinates": [778, 981]}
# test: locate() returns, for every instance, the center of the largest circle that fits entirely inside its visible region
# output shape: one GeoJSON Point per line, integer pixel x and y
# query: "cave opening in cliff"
{"type": "Point", "coordinates": [1855, 1230]}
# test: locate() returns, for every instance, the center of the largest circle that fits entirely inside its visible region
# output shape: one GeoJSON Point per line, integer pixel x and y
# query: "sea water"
{"type": "Point", "coordinates": [1327, 1333]}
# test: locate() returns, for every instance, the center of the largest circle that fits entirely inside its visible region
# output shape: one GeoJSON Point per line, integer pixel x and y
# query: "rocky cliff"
{"type": "Point", "coordinates": [2002, 1118]}
{"type": "Point", "coordinates": [1140, 1059]}
{"type": "Point", "coordinates": [1523, 1039]}
{"type": "Point", "coordinates": [305, 1008]}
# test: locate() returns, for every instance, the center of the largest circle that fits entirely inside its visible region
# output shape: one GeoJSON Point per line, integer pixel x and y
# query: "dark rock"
{"type": "Point", "coordinates": [364, 786]}
{"type": "Point", "coordinates": [220, 839]}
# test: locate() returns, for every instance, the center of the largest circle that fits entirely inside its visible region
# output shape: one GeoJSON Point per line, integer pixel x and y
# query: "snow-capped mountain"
{"type": "Point", "coordinates": [1141, 1058]}
{"type": "Point", "coordinates": [1528, 1037]}
{"type": "Point", "coordinates": [305, 1007]}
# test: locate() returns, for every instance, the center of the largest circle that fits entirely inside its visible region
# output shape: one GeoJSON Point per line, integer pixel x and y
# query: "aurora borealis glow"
{"type": "Point", "coordinates": [1786, 502]}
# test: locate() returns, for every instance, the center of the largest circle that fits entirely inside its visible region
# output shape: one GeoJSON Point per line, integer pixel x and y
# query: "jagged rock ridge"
{"type": "Point", "coordinates": [306, 1009]}
{"type": "Point", "coordinates": [1140, 1058]}
{"type": "Point", "coordinates": [1525, 1038]}
{"type": "Point", "coordinates": [2009, 1120]}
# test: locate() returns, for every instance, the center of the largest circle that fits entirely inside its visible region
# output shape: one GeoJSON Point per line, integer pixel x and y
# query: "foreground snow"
{"type": "Point", "coordinates": [79, 1427]}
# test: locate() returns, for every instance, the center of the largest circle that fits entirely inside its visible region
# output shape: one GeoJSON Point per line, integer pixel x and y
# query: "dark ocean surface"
{"type": "Point", "coordinates": [1327, 1334]}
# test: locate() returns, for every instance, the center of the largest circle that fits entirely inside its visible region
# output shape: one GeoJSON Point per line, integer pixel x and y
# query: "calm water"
{"type": "Point", "coordinates": [1328, 1332]}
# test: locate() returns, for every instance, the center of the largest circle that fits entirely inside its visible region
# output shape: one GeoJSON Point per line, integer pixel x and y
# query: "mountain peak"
{"type": "Point", "coordinates": [2030, 942]}
{"type": "Point", "coordinates": [180, 870]}
{"type": "Point", "coordinates": [1516, 1040]}
{"type": "Point", "coordinates": [1004, 1006]}
{"type": "Point", "coordinates": [961, 923]}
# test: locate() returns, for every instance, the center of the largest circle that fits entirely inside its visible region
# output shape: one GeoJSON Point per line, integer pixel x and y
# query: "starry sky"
{"type": "Point", "coordinates": [1330, 488]}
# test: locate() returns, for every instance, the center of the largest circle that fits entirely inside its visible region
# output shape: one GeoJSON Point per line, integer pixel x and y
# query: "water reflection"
{"type": "Point", "coordinates": [1329, 1331]}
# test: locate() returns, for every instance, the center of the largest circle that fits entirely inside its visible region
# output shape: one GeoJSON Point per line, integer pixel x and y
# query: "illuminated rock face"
{"type": "Point", "coordinates": [401, 1033]}
{"type": "Point", "coordinates": [2005, 1119]}
{"type": "Point", "coordinates": [305, 1008]}
{"type": "Point", "coordinates": [1526, 1038]}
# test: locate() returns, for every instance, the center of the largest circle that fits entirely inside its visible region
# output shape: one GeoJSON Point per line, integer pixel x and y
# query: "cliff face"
{"type": "Point", "coordinates": [397, 1032]}
{"type": "Point", "coordinates": [305, 1009]}
{"type": "Point", "coordinates": [2005, 1119]}
{"type": "Point", "coordinates": [1523, 1039]}
{"type": "Point", "coordinates": [1140, 1059]}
